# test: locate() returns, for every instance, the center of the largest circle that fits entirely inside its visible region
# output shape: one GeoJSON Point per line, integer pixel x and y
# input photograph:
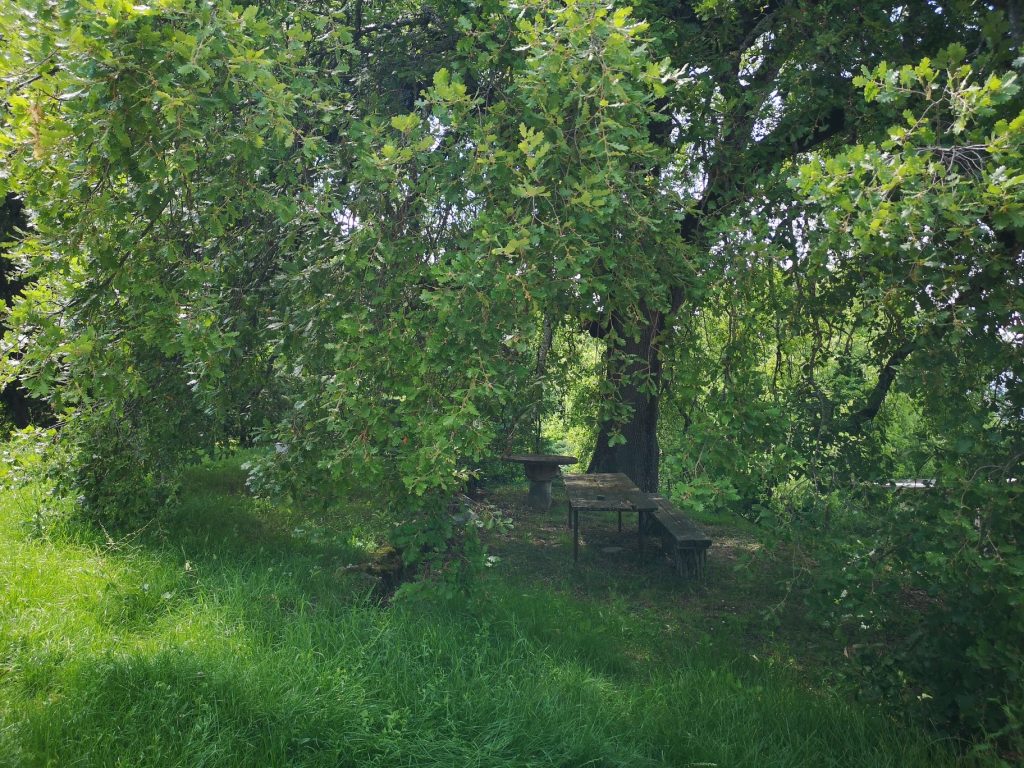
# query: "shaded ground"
{"type": "Point", "coordinates": [743, 600]}
{"type": "Point", "coordinates": [742, 603]}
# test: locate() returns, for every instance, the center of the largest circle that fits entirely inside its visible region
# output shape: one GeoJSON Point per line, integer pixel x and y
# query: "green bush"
{"type": "Point", "coordinates": [923, 587]}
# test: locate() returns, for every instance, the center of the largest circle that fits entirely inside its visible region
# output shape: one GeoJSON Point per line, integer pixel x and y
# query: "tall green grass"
{"type": "Point", "coordinates": [234, 636]}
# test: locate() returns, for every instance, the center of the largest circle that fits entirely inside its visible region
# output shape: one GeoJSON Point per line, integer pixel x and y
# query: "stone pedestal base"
{"type": "Point", "coordinates": [540, 469]}
{"type": "Point", "coordinates": [540, 477]}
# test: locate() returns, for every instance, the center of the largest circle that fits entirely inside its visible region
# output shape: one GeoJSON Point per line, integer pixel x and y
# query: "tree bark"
{"type": "Point", "coordinates": [728, 181]}
{"type": "Point", "coordinates": [639, 364]}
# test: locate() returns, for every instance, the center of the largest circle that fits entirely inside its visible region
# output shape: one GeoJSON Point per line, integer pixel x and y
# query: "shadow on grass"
{"type": "Point", "coordinates": [742, 606]}
{"type": "Point", "coordinates": [376, 688]}
{"type": "Point", "coordinates": [219, 546]}
{"type": "Point", "coordinates": [614, 608]}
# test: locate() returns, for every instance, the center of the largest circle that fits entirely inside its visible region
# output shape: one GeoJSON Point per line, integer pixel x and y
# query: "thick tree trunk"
{"type": "Point", "coordinates": [638, 456]}
{"type": "Point", "coordinates": [15, 403]}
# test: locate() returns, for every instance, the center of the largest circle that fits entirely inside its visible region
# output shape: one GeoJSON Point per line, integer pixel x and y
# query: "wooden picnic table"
{"type": "Point", "coordinates": [541, 469]}
{"type": "Point", "coordinates": [605, 492]}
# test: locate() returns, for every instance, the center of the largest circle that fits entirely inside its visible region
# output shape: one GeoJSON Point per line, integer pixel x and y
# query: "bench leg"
{"type": "Point", "coordinates": [620, 521]}
{"type": "Point", "coordinates": [678, 561]}
{"type": "Point", "coordinates": [688, 562]}
{"type": "Point", "coordinates": [691, 562]}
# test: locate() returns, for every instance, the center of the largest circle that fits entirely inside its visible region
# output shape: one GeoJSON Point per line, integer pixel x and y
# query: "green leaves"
{"type": "Point", "coordinates": [919, 234]}
{"type": "Point", "coordinates": [405, 123]}
{"type": "Point", "coordinates": [160, 181]}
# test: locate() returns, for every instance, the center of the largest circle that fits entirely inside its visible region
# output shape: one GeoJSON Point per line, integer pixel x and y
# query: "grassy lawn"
{"type": "Point", "coordinates": [235, 635]}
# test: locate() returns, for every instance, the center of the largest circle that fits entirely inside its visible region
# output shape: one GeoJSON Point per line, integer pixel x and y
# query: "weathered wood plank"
{"type": "Point", "coordinates": [540, 458]}
{"type": "Point", "coordinates": [607, 492]}
{"type": "Point", "coordinates": [684, 542]}
{"type": "Point", "coordinates": [601, 505]}
{"type": "Point", "coordinates": [599, 484]}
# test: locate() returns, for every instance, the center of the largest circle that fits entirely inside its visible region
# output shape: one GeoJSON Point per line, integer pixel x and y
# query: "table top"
{"type": "Point", "coordinates": [606, 491]}
{"type": "Point", "coordinates": [540, 458]}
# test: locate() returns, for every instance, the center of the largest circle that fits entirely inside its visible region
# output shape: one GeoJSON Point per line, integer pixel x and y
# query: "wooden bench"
{"type": "Point", "coordinates": [685, 544]}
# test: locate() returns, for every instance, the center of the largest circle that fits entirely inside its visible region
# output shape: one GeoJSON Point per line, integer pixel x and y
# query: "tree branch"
{"type": "Point", "coordinates": [876, 397]}
{"type": "Point", "coordinates": [420, 20]}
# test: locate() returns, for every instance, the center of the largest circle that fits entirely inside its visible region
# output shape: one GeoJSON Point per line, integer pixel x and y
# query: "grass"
{"type": "Point", "coordinates": [235, 636]}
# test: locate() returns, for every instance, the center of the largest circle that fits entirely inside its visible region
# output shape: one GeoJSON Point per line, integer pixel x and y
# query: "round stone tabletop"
{"type": "Point", "coordinates": [541, 458]}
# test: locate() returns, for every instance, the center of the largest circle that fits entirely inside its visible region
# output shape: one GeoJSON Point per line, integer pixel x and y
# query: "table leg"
{"type": "Point", "coordinates": [575, 536]}
{"type": "Point", "coordinates": [620, 521]}
{"type": "Point", "coordinates": [640, 530]}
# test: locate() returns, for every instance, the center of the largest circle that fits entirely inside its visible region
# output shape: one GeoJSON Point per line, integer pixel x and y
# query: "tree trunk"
{"type": "Point", "coordinates": [15, 403]}
{"type": "Point", "coordinates": [638, 457]}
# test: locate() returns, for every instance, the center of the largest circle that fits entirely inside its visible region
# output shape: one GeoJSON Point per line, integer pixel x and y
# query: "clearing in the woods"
{"type": "Point", "coordinates": [237, 634]}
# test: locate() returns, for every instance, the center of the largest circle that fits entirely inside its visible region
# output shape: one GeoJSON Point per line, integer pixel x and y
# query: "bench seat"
{"type": "Point", "coordinates": [684, 543]}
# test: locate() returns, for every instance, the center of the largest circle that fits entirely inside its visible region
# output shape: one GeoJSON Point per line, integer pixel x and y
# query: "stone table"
{"type": "Point", "coordinates": [541, 469]}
